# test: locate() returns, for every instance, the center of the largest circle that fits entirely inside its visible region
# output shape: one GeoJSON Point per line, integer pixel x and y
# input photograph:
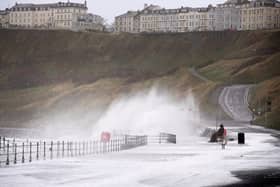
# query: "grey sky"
{"type": "Point", "coordinates": [110, 8]}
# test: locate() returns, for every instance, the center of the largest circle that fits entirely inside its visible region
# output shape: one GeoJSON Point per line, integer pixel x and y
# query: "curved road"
{"type": "Point", "coordinates": [234, 101]}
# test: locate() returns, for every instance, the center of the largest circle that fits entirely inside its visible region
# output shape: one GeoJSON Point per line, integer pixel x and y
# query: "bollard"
{"type": "Point", "coordinates": [241, 138]}
{"type": "Point", "coordinates": [44, 150]}
{"type": "Point", "coordinates": [8, 159]}
{"type": "Point", "coordinates": [30, 152]}
{"type": "Point", "coordinates": [37, 152]}
{"type": "Point", "coordinates": [22, 158]}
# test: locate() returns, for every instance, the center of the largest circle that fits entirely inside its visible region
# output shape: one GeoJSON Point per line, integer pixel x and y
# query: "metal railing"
{"type": "Point", "coordinates": [15, 151]}
{"type": "Point", "coordinates": [162, 138]}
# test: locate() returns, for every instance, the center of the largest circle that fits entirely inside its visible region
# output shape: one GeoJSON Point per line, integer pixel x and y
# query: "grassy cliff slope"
{"type": "Point", "coordinates": [46, 72]}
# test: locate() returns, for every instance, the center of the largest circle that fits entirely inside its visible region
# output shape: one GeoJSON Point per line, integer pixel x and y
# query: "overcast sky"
{"type": "Point", "coordinates": [111, 8]}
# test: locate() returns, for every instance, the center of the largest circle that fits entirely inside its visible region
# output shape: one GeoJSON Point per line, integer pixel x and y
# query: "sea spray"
{"type": "Point", "coordinates": [151, 112]}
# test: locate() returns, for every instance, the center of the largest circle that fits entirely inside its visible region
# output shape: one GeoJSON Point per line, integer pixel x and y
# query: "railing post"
{"type": "Point", "coordinates": [30, 152]}
{"type": "Point", "coordinates": [62, 149]}
{"type": "Point", "coordinates": [57, 147]}
{"type": "Point", "coordinates": [79, 148]}
{"type": "Point", "coordinates": [67, 149]}
{"type": "Point", "coordinates": [4, 143]}
{"type": "Point", "coordinates": [120, 145]}
{"type": "Point", "coordinates": [8, 152]}
{"type": "Point", "coordinates": [83, 147]}
{"type": "Point", "coordinates": [37, 155]}
{"type": "Point", "coordinates": [72, 151]}
{"type": "Point", "coordinates": [15, 157]}
{"type": "Point", "coordinates": [76, 149]}
{"type": "Point", "coordinates": [0, 143]}
{"type": "Point", "coordinates": [51, 150]}
{"type": "Point", "coordinates": [90, 146]}
{"type": "Point", "coordinates": [22, 158]}
{"type": "Point", "coordinates": [113, 145]}
{"type": "Point", "coordinates": [13, 145]}
{"type": "Point", "coordinates": [44, 150]}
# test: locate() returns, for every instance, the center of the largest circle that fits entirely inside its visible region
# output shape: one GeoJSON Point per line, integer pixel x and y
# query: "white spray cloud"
{"type": "Point", "coordinates": [150, 112]}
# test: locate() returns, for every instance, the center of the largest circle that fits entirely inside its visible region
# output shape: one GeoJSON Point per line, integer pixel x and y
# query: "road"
{"type": "Point", "coordinates": [234, 101]}
{"type": "Point", "coordinates": [197, 75]}
{"type": "Point", "coordinates": [193, 163]}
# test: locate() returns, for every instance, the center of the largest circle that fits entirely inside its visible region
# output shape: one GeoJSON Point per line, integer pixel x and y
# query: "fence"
{"type": "Point", "coordinates": [14, 151]}
{"type": "Point", "coordinates": [162, 138]}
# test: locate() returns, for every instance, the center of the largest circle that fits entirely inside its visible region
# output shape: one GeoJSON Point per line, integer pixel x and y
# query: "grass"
{"type": "Point", "coordinates": [59, 69]}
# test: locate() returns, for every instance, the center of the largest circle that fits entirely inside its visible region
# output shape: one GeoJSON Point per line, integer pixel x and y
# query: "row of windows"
{"type": "Point", "coordinates": [28, 20]}
{"type": "Point", "coordinates": [165, 24]}
{"type": "Point", "coordinates": [256, 18]}
{"type": "Point", "coordinates": [66, 16]}
{"type": "Point", "coordinates": [260, 26]}
{"type": "Point", "coordinates": [30, 14]}
{"type": "Point", "coordinates": [31, 9]}
{"type": "Point", "coordinates": [69, 10]}
{"type": "Point", "coordinates": [64, 23]}
{"type": "Point", "coordinates": [260, 11]}
{"type": "Point", "coordinates": [157, 18]}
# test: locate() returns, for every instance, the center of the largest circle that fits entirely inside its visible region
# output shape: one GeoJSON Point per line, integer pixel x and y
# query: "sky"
{"type": "Point", "coordinates": [111, 8]}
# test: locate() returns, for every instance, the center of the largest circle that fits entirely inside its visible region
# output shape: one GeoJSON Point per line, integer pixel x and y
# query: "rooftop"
{"type": "Point", "coordinates": [50, 5]}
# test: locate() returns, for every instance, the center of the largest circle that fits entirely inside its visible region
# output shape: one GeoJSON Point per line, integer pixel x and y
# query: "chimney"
{"type": "Point", "coordinates": [145, 5]}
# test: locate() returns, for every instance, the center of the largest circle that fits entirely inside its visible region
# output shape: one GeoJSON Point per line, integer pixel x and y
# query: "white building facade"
{"type": "Point", "coordinates": [4, 18]}
{"type": "Point", "coordinates": [260, 15]}
{"type": "Point", "coordinates": [61, 15]}
{"type": "Point", "coordinates": [232, 15]}
{"type": "Point", "coordinates": [127, 22]}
